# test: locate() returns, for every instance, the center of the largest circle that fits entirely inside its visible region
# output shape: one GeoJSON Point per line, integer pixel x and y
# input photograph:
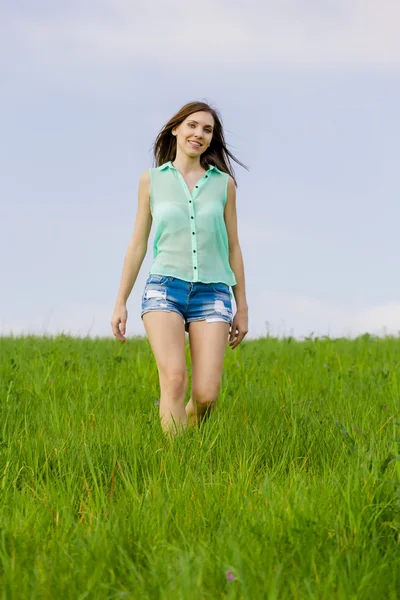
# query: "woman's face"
{"type": "Point", "coordinates": [194, 134]}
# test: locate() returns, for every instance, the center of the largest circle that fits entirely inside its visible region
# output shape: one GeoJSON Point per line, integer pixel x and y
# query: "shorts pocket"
{"type": "Point", "coordinates": [160, 279]}
{"type": "Point", "coordinates": [221, 288]}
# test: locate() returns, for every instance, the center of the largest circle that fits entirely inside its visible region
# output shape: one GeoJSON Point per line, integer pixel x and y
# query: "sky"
{"type": "Point", "coordinates": [309, 95]}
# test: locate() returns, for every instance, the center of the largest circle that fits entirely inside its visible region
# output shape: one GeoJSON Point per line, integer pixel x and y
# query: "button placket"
{"type": "Point", "coordinates": [191, 197]}
{"type": "Point", "coordinates": [193, 234]}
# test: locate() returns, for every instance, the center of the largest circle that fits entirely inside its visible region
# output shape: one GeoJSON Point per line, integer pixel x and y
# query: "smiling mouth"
{"type": "Point", "coordinates": [195, 144]}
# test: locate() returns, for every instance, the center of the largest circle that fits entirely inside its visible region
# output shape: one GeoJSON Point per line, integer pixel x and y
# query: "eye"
{"type": "Point", "coordinates": [191, 124]}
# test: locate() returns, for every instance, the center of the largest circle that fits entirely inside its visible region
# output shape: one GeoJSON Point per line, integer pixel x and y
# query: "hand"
{"type": "Point", "coordinates": [240, 326]}
{"type": "Point", "coordinates": [118, 322]}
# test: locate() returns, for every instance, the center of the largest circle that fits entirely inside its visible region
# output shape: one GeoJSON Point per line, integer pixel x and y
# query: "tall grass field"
{"type": "Point", "coordinates": [291, 489]}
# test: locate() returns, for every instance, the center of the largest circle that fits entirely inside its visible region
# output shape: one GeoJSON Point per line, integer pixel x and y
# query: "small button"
{"type": "Point", "coordinates": [197, 186]}
{"type": "Point", "coordinates": [192, 217]}
{"type": "Point", "coordinates": [206, 176]}
{"type": "Point", "coordinates": [194, 250]}
{"type": "Point", "coordinates": [193, 233]}
{"type": "Point", "coordinates": [195, 267]}
{"type": "Point", "coordinates": [190, 202]}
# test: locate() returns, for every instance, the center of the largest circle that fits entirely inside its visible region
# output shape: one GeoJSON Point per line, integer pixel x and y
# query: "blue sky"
{"type": "Point", "coordinates": [309, 99]}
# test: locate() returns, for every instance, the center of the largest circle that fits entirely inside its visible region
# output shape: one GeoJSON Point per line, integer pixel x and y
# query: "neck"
{"type": "Point", "coordinates": [187, 164]}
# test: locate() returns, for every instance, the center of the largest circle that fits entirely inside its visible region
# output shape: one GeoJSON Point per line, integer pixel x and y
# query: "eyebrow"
{"type": "Point", "coordinates": [193, 121]}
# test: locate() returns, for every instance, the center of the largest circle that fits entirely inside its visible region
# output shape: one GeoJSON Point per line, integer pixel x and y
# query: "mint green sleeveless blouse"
{"type": "Point", "coordinates": [190, 239]}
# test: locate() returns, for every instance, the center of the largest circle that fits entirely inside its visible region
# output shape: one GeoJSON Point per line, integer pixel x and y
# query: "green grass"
{"type": "Point", "coordinates": [293, 485]}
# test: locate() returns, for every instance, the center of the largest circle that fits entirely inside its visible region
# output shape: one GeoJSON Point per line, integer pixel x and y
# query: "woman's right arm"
{"type": "Point", "coordinates": [134, 256]}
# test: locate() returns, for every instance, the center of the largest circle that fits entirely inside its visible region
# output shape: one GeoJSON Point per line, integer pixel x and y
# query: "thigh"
{"type": "Point", "coordinates": [210, 302]}
{"type": "Point", "coordinates": [163, 292]}
{"type": "Point", "coordinates": [208, 342]}
{"type": "Point", "coordinates": [166, 334]}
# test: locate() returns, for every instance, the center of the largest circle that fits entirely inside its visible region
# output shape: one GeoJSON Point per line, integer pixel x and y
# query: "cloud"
{"type": "Point", "coordinates": [74, 318]}
{"type": "Point", "coordinates": [280, 313]}
{"type": "Point", "coordinates": [379, 319]}
{"type": "Point", "coordinates": [285, 313]}
{"type": "Point", "coordinates": [276, 33]}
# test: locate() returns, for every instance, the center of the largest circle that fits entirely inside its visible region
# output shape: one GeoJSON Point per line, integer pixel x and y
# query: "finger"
{"type": "Point", "coordinates": [123, 326]}
{"type": "Point", "coordinates": [116, 332]}
{"type": "Point", "coordinates": [121, 332]}
{"type": "Point", "coordinates": [233, 336]}
{"type": "Point", "coordinates": [237, 340]}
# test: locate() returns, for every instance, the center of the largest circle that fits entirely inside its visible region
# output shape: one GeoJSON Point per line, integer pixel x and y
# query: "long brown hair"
{"type": "Point", "coordinates": [216, 154]}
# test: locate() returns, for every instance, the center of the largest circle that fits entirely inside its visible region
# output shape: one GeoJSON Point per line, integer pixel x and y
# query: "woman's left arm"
{"type": "Point", "coordinates": [240, 321]}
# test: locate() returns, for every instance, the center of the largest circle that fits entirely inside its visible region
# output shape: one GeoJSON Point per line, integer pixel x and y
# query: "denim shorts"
{"type": "Point", "coordinates": [193, 301]}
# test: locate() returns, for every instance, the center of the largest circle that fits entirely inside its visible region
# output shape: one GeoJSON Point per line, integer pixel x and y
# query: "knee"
{"type": "Point", "coordinates": [174, 382]}
{"type": "Point", "coordinates": [205, 397]}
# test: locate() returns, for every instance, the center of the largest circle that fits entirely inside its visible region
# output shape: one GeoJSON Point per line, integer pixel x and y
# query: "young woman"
{"type": "Point", "coordinates": [191, 197]}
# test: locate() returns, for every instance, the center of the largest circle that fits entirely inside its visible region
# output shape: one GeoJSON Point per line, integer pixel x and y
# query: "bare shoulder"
{"type": "Point", "coordinates": [231, 191]}
{"type": "Point", "coordinates": [230, 214]}
{"type": "Point", "coordinates": [143, 216]}
{"type": "Point", "coordinates": [144, 179]}
{"type": "Point", "coordinates": [231, 182]}
{"type": "Point", "coordinates": [144, 189]}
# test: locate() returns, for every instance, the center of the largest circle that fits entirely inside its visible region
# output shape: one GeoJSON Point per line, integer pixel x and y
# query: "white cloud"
{"type": "Point", "coordinates": [73, 318]}
{"type": "Point", "coordinates": [341, 33]}
{"type": "Point", "coordinates": [379, 319]}
{"type": "Point", "coordinates": [284, 313]}
{"type": "Point", "coordinates": [280, 313]}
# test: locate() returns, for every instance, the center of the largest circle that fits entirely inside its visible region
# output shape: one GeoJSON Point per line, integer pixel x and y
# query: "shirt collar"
{"type": "Point", "coordinates": [169, 165]}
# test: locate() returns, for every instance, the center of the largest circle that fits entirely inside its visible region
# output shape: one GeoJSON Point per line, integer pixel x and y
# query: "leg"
{"type": "Point", "coordinates": [208, 343]}
{"type": "Point", "coordinates": [166, 333]}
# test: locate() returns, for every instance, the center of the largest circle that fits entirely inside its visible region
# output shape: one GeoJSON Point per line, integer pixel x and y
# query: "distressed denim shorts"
{"type": "Point", "coordinates": [193, 301]}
